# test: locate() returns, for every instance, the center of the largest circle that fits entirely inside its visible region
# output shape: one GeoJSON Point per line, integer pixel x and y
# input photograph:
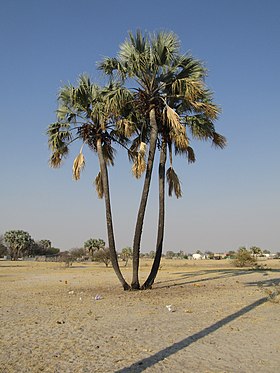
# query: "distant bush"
{"type": "Point", "coordinates": [102, 255]}
{"type": "Point", "coordinates": [3, 248]}
{"type": "Point", "coordinates": [244, 258]}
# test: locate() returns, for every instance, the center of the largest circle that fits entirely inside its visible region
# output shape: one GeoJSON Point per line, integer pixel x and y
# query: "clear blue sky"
{"type": "Point", "coordinates": [231, 197]}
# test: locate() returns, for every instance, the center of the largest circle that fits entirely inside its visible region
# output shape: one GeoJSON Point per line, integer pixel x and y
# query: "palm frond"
{"type": "Point", "coordinates": [139, 161]}
{"type": "Point", "coordinates": [191, 155]}
{"type": "Point", "coordinates": [208, 109]}
{"type": "Point", "coordinates": [78, 166]}
{"type": "Point", "coordinates": [173, 183]}
{"type": "Point", "coordinates": [125, 127]}
{"type": "Point", "coordinates": [113, 68]}
{"type": "Point", "coordinates": [55, 160]}
{"type": "Point", "coordinates": [173, 119]}
{"type": "Point", "coordinates": [99, 186]}
{"type": "Point", "coordinates": [142, 149]}
{"type": "Point", "coordinates": [139, 166]}
{"type": "Point", "coordinates": [189, 89]}
{"type": "Point", "coordinates": [219, 140]}
{"type": "Point", "coordinates": [165, 47]}
{"type": "Point", "coordinates": [203, 128]}
{"type": "Point", "coordinates": [58, 134]}
{"type": "Point", "coordinates": [187, 151]}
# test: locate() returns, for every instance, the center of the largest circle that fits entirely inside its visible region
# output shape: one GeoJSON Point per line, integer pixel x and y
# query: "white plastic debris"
{"type": "Point", "coordinates": [98, 297]}
{"type": "Point", "coordinates": [71, 292]}
{"type": "Point", "coordinates": [170, 308]}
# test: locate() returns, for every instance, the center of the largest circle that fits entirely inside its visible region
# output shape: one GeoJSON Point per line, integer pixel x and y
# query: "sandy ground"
{"type": "Point", "coordinates": [221, 319]}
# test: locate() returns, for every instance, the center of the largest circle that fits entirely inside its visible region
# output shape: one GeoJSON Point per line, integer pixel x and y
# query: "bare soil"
{"type": "Point", "coordinates": [219, 318]}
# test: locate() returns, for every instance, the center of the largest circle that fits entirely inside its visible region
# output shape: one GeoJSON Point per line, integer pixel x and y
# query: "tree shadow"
{"type": "Point", "coordinates": [12, 266]}
{"type": "Point", "coordinates": [220, 274]}
{"type": "Point", "coordinates": [265, 283]}
{"type": "Point", "coordinates": [143, 364]}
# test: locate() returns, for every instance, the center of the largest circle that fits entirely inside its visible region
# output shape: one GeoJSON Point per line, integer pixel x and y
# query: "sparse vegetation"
{"type": "Point", "coordinates": [102, 255]}
{"type": "Point", "coordinates": [18, 242]}
{"type": "Point", "coordinates": [3, 247]}
{"type": "Point", "coordinates": [244, 258]}
{"type": "Point", "coordinates": [126, 254]}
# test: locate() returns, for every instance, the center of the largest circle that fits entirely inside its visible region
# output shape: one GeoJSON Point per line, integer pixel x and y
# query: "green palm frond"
{"type": "Point", "coordinates": [99, 186]}
{"type": "Point", "coordinates": [203, 128]}
{"type": "Point", "coordinates": [113, 68]}
{"type": "Point", "coordinates": [173, 183]}
{"type": "Point", "coordinates": [133, 47]}
{"type": "Point", "coordinates": [58, 135]}
{"type": "Point", "coordinates": [118, 99]}
{"type": "Point", "coordinates": [188, 67]}
{"type": "Point", "coordinates": [165, 47]}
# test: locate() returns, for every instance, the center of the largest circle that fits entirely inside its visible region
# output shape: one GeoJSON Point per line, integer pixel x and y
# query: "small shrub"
{"type": "Point", "coordinates": [102, 255]}
{"type": "Point", "coordinates": [244, 258]}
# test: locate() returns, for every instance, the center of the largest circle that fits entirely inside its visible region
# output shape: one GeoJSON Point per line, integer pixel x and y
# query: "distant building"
{"type": "Point", "coordinates": [196, 256]}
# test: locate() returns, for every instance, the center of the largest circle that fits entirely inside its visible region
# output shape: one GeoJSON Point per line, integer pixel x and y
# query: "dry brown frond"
{"type": "Point", "coordinates": [191, 155]}
{"type": "Point", "coordinates": [142, 148]}
{"type": "Point", "coordinates": [55, 160]}
{"type": "Point", "coordinates": [125, 127]}
{"type": "Point", "coordinates": [139, 165]}
{"type": "Point", "coordinates": [210, 110]}
{"type": "Point", "coordinates": [78, 165]}
{"type": "Point", "coordinates": [173, 119]}
{"type": "Point", "coordinates": [188, 88]}
{"type": "Point", "coordinates": [219, 140]}
{"type": "Point", "coordinates": [139, 160]}
{"type": "Point", "coordinates": [181, 140]}
{"type": "Point", "coordinates": [99, 186]}
{"type": "Point", "coordinates": [173, 183]}
{"type": "Point", "coordinates": [193, 89]}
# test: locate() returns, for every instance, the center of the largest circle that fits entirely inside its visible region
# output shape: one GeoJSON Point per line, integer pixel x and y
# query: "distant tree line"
{"type": "Point", "coordinates": [18, 244]}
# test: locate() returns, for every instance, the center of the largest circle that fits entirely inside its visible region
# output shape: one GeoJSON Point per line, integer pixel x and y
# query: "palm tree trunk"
{"type": "Point", "coordinates": [109, 221]}
{"type": "Point", "coordinates": [156, 263]}
{"type": "Point", "coordinates": [143, 203]}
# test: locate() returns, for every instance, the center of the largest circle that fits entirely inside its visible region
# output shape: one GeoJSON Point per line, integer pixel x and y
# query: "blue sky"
{"type": "Point", "coordinates": [231, 196]}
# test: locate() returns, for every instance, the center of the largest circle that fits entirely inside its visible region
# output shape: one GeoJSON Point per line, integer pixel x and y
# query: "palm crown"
{"type": "Point", "coordinates": [84, 114]}
{"type": "Point", "coordinates": [171, 83]}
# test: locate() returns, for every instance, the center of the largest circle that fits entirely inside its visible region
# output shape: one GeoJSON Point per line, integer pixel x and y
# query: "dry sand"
{"type": "Point", "coordinates": [222, 319]}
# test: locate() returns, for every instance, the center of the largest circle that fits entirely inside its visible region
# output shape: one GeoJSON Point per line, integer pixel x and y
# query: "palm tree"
{"type": "Point", "coordinates": [173, 136]}
{"type": "Point", "coordinates": [171, 94]}
{"type": "Point", "coordinates": [83, 114]}
{"type": "Point", "coordinates": [92, 245]}
{"type": "Point", "coordinates": [19, 243]}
